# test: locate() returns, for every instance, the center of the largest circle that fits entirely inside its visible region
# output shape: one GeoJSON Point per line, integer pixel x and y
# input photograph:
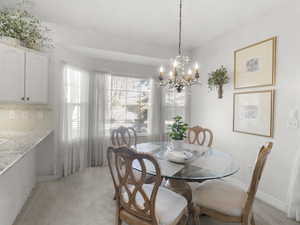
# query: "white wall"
{"type": "Point", "coordinates": [217, 114]}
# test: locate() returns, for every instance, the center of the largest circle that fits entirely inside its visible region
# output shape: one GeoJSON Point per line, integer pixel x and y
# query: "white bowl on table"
{"type": "Point", "coordinates": [179, 156]}
{"type": "Point", "coordinates": [196, 148]}
{"type": "Point", "coordinates": [188, 153]}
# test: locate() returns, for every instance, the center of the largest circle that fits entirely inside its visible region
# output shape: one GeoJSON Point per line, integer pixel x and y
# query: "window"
{"type": "Point", "coordinates": [76, 96]}
{"type": "Point", "coordinates": [174, 104]}
{"type": "Point", "coordinates": [128, 103]}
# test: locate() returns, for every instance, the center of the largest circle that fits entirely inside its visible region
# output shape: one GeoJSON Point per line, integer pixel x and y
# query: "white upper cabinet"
{"type": "Point", "coordinates": [24, 75]}
{"type": "Point", "coordinates": [36, 78]}
{"type": "Point", "coordinates": [12, 61]}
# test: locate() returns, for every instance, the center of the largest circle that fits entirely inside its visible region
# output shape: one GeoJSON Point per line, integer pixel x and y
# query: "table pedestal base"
{"type": "Point", "coordinates": [184, 189]}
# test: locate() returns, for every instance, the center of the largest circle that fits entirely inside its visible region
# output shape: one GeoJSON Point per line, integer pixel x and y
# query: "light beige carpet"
{"type": "Point", "coordinates": [86, 199]}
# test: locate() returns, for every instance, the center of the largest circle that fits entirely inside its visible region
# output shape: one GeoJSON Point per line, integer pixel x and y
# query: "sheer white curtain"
{"type": "Point", "coordinates": [74, 125]}
{"type": "Point", "coordinates": [87, 113]}
{"type": "Point", "coordinates": [294, 192]}
{"type": "Point", "coordinates": [156, 122]}
{"type": "Point", "coordinates": [98, 140]}
{"type": "Point", "coordinates": [82, 119]}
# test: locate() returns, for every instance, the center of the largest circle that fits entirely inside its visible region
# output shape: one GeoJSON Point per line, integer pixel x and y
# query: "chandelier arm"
{"type": "Point", "coordinates": [180, 25]}
{"type": "Point", "coordinates": [179, 78]}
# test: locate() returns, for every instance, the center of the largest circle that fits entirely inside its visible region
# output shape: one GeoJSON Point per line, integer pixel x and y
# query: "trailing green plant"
{"type": "Point", "coordinates": [21, 25]}
{"type": "Point", "coordinates": [217, 79]}
{"type": "Point", "coordinates": [178, 129]}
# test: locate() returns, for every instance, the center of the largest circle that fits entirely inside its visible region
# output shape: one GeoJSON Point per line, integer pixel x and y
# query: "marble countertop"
{"type": "Point", "coordinates": [15, 145]}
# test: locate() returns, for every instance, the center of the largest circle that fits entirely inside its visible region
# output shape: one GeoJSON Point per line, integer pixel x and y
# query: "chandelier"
{"type": "Point", "coordinates": [179, 76]}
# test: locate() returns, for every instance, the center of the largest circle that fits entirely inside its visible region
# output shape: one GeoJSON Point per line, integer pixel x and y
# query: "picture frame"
{"type": "Point", "coordinates": [255, 65]}
{"type": "Point", "coordinates": [253, 112]}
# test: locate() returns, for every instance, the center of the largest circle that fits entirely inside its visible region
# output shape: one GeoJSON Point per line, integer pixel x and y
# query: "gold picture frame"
{"type": "Point", "coordinates": [255, 65]}
{"type": "Point", "coordinates": [253, 112]}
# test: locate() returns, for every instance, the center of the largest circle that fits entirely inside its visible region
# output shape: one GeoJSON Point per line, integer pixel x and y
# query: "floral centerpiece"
{"type": "Point", "coordinates": [18, 24]}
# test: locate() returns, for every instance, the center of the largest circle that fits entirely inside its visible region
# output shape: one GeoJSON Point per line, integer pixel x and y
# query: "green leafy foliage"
{"type": "Point", "coordinates": [21, 25]}
{"type": "Point", "coordinates": [218, 78]}
{"type": "Point", "coordinates": [178, 129]}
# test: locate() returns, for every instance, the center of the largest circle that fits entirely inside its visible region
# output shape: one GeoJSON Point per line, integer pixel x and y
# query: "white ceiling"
{"type": "Point", "coordinates": [154, 21]}
{"type": "Point", "coordinates": [142, 27]}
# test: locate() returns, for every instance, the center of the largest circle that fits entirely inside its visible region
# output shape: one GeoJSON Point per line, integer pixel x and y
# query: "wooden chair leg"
{"type": "Point", "coordinates": [252, 220]}
{"type": "Point", "coordinates": [118, 220]}
{"type": "Point", "coordinates": [183, 220]}
{"type": "Point", "coordinates": [247, 220]}
{"type": "Point", "coordinates": [196, 215]}
{"type": "Point", "coordinates": [196, 219]}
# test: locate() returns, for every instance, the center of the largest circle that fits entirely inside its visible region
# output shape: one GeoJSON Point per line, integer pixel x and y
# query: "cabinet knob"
{"type": "Point", "coordinates": [28, 98]}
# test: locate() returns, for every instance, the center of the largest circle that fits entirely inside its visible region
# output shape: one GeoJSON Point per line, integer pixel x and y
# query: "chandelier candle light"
{"type": "Point", "coordinates": [179, 76]}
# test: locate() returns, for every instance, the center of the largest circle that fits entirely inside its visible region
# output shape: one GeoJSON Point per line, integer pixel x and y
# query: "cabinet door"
{"type": "Point", "coordinates": [36, 78]}
{"type": "Point", "coordinates": [12, 64]}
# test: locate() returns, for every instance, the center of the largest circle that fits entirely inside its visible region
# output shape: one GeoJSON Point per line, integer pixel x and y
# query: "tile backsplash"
{"type": "Point", "coordinates": [24, 117]}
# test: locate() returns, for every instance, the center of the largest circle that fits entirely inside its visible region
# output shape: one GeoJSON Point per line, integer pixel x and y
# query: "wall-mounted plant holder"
{"type": "Point", "coordinates": [217, 79]}
{"type": "Point", "coordinates": [220, 91]}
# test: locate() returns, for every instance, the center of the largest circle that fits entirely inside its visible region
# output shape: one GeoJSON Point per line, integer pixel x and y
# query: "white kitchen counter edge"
{"type": "Point", "coordinates": [27, 150]}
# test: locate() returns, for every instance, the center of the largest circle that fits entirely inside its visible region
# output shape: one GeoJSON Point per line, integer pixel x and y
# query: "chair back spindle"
{"type": "Point", "coordinates": [199, 135]}
{"type": "Point", "coordinates": [124, 136]}
{"type": "Point", "coordinates": [130, 187]}
{"type": "Point", "coordinates": [256, 176]}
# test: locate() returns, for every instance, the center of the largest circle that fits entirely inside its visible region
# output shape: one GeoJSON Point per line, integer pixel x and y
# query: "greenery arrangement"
{"type": "Point", "coordinates": [178, 129]}
{"type": "Point", "coordinates": [21, 25]}
{"type": "Point", "coordinates": [217, 79]}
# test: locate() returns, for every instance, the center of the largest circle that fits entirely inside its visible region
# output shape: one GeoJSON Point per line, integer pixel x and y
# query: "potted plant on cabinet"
{"type": "Point", "coordinates": [19, 27]}
{"type": "Point", "coordinates": [217, 79]}
{"type": "Point", "coordinates": [178, 132]}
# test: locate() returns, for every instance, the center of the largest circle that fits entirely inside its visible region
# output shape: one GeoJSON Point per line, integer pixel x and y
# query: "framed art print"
{"type": "Point", "coordinates": [254, 113]}
{"type": "Point", "coordinates": [255, 65]}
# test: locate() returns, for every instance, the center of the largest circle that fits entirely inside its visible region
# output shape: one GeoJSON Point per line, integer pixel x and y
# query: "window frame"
{"type": "Point", "coordinates": [109, 92]}
{"type": "Point", "coordinates": [81, 102]}
{"type": "Point", "coordinates": [176, 107]}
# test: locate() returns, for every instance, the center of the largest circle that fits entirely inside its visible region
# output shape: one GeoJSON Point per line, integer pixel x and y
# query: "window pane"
{"type": "Point", "coordinates": [76, 93]}
{"type": "Point", "coordinates": [118, 83]}
{"type": "Point", "coordinates": [133, 97]}
{"type": "Point", "coordinates": [118, 105]}
{"type": "Point", "coordinates": [169, 98]}
{"type": "Point", "coordinates": [179, 99]}
{"type": "Point", "coordinates": [75, 85]}
{"type": "Point", "coordinates": [128, 103]}
{"type": "Point", "coordinates": [174, 105]}
{"type": "Point", "coordinates": [75, 122]}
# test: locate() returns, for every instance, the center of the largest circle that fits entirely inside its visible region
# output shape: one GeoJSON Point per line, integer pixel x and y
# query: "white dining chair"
{"type": "Point", "coordinates": [200, 136]}
{"type": "Point", "coordinates": [139, 203]}
{"type": "Point", "coordinates": [226, 202]}
{"type": "Point", "coordinates": [124, 136]}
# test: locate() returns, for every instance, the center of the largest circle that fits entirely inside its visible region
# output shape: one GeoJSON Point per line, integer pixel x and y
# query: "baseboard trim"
{"type": "Point", "coordinates": [47, 178]}
{"type": "Point", "coordinates": [267, 198]}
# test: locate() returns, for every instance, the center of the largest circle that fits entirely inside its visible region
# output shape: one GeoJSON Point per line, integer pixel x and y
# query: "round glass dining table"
{"type": "Point", "coordinates": [209, 164]}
